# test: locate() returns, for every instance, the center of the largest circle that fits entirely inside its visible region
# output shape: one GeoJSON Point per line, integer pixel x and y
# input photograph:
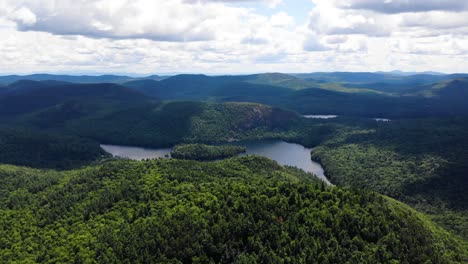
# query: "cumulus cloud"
{"type": "Point", "coordinates": [390, 17]}
{"type": "Point", "coordinates": [231, 36]}
{"type": "Point", "coordinates": [336, 39]}
{"type": "Point", "coordinates": [254, 40]}
{"type": "Point", "coordinates": [435, 20]}
{"type": "Point", "coordinates": [281, 19]}
{"type": "Point", "coordinates": [269, 3]}
{"type": "Point", "coordinates": [403, 6]}
{"type": "Point", "coordinates": [161, 20]}
{"type": "Point", "coordinates": [328, 19]}
{"type": "Point", "coordinates": [313, 43]}
{"type": "Point", "coordinates": [24, 16]}
{"type": "Point", "coordinates": [353, 45]}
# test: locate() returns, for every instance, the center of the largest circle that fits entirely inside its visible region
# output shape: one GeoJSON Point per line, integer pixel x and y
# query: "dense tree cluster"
{"type": "Point", "coordinates": [241, 210]}
{"type": "Point", "coordinates": [168, 124]}
{"type": "Point", "coordinates": [421, 162]}
{"type": "Point", "coordinates": [204, 152]}
{"type": "Point", "coordinates": [357, 94]}
{"type": "Point", "coordinates": [44, 150]}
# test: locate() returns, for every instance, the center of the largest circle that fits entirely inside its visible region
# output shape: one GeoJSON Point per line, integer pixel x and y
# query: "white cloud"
{"type": "Point", "coordinates": [403, 6]}
{"type": "Point", "coordinates": [353, 45]}
{"type": "Point", "coordinates": [436, 20]}
{"type": "Point", "coordinates": [313, 43]}
{"type": "Point", "coordinates": [281, 19]}
{"type": "Point", "coordinates": [328, 19]}
{"type": "Point", "coordinates": [336, 39]}
{"type": "Point", "coordinates": [217, 36]}
{"type": "Point", "coordinates": [24, 16]}
{"type": "Point", "coordinates": [274, 3]}
{"type": "Point", "coordinates": [399, 21]}
{"type": "Point", "coordinates": [162, 20]}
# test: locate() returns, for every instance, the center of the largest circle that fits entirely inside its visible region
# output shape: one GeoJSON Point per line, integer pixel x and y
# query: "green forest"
{"type": "Point", "coordinates": [241, 210]}
{"type": "Point", "coordinates": [421, 162]}
{"type": "Point", "coordinates": [204, 152]}
{"type": "Point", "coordinates": [398, 194]}
{"type": "Point", "coordinates": [45, 150]}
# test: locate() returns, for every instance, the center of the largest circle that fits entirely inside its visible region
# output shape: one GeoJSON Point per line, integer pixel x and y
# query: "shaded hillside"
{"type": "Point", "coordinates": [279, 80]}
{"type": "Point", "coordinates": [395, 96]}
{"type": "Point", "coordinates": [379, 95]}
{"type": "Point", "coordinates": [8, 79]}
{"type": "Point", "coordinates": [148, 87]}
{"type": "Point", "coordinates": [371, 77]}
{"type": "Point", "coordinates": [172, 123]}
{"type": "Point", "coordinates": [28, 96]}
{"type": "Point", "coordinates": [186, 86]}
{"type": "Point", "coordinates": [447, 90]}
{"type": "Point", "coordinates": [113, 114]}
{"type": "Point", "coordinates": [242, 210]}
{"type": "Point", "coordinates": [44, 150]}
{"type": "Point", "coordinates": [421, 162]}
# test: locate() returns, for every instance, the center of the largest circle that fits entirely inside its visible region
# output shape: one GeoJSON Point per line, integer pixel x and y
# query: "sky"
{"type": "Point", "coordinates": [141, 37]}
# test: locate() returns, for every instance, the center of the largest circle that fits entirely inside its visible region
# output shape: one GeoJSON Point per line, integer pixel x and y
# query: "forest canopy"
{"type": "Point", "coordinates": [206, 152]}
{"type": "Point", "coordinates": [240, 210]}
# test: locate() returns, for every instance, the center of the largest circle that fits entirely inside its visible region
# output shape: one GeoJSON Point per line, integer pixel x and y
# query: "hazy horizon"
{"type": "Point", "coordinates": [139, 75]}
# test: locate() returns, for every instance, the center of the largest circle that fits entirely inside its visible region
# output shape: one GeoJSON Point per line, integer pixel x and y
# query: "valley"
{"type": "Point", "coordinates": [286, 154]}
{"type": "Point", "coordinates": [233, 132]}
{"type": "Point", "coordinates": [381, 176]}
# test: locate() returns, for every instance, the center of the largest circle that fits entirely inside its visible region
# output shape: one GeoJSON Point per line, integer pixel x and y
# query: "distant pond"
{"type": "Point", "coordinates": [382, 119]}
{"type": "Point", "coordinates": [335, 116]}
{"type": "Point", "coordinates": [137, 153]}
{"type": "Point", "coordinates": [284, 153]}
{"type": "Point", "coordinates": [320, 116]}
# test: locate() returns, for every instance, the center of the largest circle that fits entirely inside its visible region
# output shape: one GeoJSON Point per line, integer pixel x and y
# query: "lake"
{"type": "Point", "coordinates": [335, 116]}
{"type": "Point", "coordinates": [282, 152]}
{"type": "Point", "coordinates": [136, 153]}
{"type": "Point", "coordinates": [320, 116]}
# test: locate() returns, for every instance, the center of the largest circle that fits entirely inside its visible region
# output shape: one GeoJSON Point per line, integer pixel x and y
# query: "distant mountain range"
{"type": "Point", "coordinates": [8, 79]}
{"type": "Point", "coordinates": [340, 93]}
{"type": "Point", "coordinates": [349, 77]}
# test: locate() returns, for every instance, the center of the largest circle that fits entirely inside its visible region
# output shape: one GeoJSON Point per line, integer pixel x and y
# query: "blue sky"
{"type": "Point", "coordinates": [298, 9]}
{"type": "Point", "coordinates": [232, 36]}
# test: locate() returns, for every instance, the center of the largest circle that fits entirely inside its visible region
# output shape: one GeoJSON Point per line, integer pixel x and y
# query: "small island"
{"type": "Point", "coordinates": [202, 152]}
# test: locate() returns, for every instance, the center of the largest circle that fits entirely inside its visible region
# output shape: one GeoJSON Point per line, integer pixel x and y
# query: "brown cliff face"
{"type": "Point", "coordinates": [251, 116]}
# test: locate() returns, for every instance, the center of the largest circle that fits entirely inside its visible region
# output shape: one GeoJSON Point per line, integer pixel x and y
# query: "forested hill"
{"type": "Point", "coordinates": [352, 94]}
{"type": "Point", "coordinates": [121, 120]}
{"type": "Point", "coordinates": [24, 97]}
{"type": "Point", "coordinates": [8, 79]}
{"type": "Point", "coordinates": [242, 210]}
{"type": "Point", "coordinates": [420, 162]}
{"type": "Point", "coordinates": [168, 124]}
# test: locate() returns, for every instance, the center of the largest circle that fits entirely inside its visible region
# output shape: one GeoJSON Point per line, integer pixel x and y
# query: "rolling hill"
{"type": "Point", "coordinates": [56, 124]}
{"type": "Point", "coordinates": [242, 210]}
{"type": "Point", "coordinates": [8, 79]}
{"type": "Point", "coordinates": [27, 96]}
{"type": "Point", "coordinates": [373, 77]}
{"type": "Point", "coordinates": [399, 96]}
{"type": "Point", "coordinates": [110, 113]}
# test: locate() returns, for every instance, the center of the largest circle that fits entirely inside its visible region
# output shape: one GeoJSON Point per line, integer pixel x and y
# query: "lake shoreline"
{"type": "Point", "coordinates": [283, 152]}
